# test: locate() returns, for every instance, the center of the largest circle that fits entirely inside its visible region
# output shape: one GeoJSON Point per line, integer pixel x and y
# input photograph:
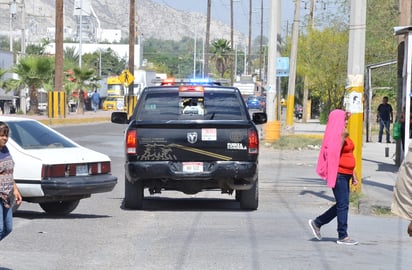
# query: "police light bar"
{"type": "Point", "coordinates": [191, 90]}
{"type": "Point", "coordinates": [168, 81]}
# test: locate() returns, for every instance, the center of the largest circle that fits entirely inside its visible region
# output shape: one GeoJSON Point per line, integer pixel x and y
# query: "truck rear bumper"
{"type": "Point", "coordinates": [232, 174]}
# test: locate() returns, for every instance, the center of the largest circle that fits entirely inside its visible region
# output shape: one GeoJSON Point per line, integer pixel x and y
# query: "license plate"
{"type": "Point", "coordinates": [192, 167]}
{"type": "Point", "coordinates": [82, 170]}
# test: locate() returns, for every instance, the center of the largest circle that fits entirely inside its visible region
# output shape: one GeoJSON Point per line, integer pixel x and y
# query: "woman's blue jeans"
{"type": "Point", "coordinates": [6, 223]}
{"type": "Point", "coordinates": [341, 207]}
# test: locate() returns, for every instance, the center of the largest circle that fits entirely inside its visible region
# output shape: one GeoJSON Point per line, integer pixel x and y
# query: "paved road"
{"type": "Point", "coordinates": [208, 231]}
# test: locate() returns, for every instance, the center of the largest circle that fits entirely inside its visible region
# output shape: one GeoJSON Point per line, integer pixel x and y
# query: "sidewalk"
{"type": "Point", "coordinates": [72, 118]}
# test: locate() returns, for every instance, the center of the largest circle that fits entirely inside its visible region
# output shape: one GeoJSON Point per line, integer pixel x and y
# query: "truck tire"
{"type": "Point", "coordinates": [133, 195]}
{"type": "Point", "coordinates": [249, 199]}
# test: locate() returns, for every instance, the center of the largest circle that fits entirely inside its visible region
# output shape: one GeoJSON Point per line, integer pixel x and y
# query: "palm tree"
{"type": "Point", "coordinates": [71, 55]}
{"type": "Point", "coordinates": [221, 54]}
{"type": "Point", "coordinates": [2, 72]}
{"type": "Point", "coordinates": [34, 72]}
{"type": "Point", "coordinates": [84, 79]}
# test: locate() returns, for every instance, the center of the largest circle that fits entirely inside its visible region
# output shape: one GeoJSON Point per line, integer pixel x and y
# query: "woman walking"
{"type": "Point", "coordinates": [336, 164]}
{"type": "Point", "coordinates": [9, 193]}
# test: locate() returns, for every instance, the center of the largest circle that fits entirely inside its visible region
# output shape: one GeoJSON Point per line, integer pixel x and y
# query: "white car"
{"type": "Point", "coordinates": [52, 170]}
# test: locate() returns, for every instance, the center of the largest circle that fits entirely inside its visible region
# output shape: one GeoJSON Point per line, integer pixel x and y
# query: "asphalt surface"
{"type": "Point", "coordinates": [294, 193]}
{"type": "Point", "coordinates": [378, 159]}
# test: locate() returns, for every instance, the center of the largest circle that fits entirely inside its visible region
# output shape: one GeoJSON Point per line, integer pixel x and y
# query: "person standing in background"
{"type": "Point", "coordinates": [384, 118]}
{"type": "Point", "coordinates": [95, 100]}
{"type": "Point", "coordinates": [9, 193]}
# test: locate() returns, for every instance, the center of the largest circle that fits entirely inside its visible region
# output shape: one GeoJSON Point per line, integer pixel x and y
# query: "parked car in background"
{"type": "Point", "coordinates": [52, 170]}
{"type": "Point", "coordinates": [254, 102]}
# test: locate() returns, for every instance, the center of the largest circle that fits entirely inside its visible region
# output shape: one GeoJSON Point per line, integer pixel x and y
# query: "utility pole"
{"type": "Point", "coordinates": [58, 80]}
{"type": "Point", "coordinates": [306, 82]}
{"type": "Point", "coordinates": [261, 42]}
{"type": "Point", "coordinates": [81, 33]}
{"type": "Point", "coordinates": [355, 81]}
{"type": "Point", "coordinates": [272, 131]}
{"type": "Point", "coordinates": [249, 49]}
{"type": "Point", "coordinates": [207, 41]}
{"type": "Point", "coordinates": [292, 73]}
{"type": "Point", "coordinates": [130, 99]}
{"type": "Point", "coordinates": [231, 43]}
{"type": "Point", "coordinates": [132, 37]}
{"type": "Point", "coordinates": [23, 26]}
{"type": "Point", "coordinates": [13, 13]}
{"type": "Point", "coordinates": [56, 99]}
{"type": "Point", "coordinates": [404, 20]}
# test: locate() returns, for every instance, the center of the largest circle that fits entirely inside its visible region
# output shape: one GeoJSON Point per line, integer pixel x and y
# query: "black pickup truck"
{"type": "Point", "coordinates": [191, 138]}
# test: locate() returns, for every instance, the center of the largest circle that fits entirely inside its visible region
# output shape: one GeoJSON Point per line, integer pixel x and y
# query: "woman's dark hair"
{"type": "Point", "coordinates": [4, 129]}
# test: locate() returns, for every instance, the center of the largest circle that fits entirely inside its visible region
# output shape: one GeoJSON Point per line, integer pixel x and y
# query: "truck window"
{"type": "Point", "coordinates": [212, 106]}
{"type": "Point", "coordinates": [160, 106]}
{"type": "Point", "coordinates": [223, 106]}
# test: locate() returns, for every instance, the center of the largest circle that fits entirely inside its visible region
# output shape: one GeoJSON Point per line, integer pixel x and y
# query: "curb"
{"type": "Point", "coordinates": [73, 121]}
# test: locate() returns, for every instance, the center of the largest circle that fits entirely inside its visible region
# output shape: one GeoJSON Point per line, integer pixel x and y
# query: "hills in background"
{"type": "Point", "coordinates": [152, 20]}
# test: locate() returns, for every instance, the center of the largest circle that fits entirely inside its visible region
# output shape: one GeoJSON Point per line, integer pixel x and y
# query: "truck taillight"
{"type": "Point", "coordinates": [253, 138]}
{"type": "Point", "coordinates": [131, 142]}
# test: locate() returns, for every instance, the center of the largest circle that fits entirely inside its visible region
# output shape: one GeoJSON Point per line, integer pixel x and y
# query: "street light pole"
{"type": "Point", "coordinates": [81, 33]}
{"type": "Point", "coordinates": [249, 64]}
{"type": "Point", "coordinates": [13, 12]}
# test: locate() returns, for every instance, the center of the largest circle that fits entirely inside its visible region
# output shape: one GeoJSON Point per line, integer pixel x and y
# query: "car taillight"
{"type": "Point", "coordinates": [99, 167]}
{"type": "Point", "coordinates": [55, 170]}
{"type": "Point", "coordinates": [64, 170]}
{"type": "Point", "coordinates": [131, 142]}
{"type": "Point", "coordinates": [253, 138]}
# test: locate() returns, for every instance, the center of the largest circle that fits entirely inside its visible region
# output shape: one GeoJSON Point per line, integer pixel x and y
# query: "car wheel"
{"type": "Point", "coordinates": [133, 194]}
{"type": "Point", "coordinates": [249, 199]}
{"type": "Point", "coordinates": [59, 207]}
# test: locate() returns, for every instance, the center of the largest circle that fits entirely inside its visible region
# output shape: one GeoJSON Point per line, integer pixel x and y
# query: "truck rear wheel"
{"type": "Point", "coordinates": [249, 199]}
{"type": "Point", "coordinates": [133, 194]}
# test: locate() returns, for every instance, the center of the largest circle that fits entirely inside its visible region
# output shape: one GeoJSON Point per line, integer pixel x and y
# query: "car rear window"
{"type": "Point", "coordinates": [33, 135]}
{"type": "Point", "coordinates": [171, 106]}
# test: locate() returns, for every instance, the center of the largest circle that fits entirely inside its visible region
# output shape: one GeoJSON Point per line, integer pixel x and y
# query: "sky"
{"type": "Point", "coordinates": [221, 11]}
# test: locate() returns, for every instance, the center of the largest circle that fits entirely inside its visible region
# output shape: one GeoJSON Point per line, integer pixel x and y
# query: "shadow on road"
{"type": "Point", "coordinates": [188, 204]}
{"type": "Point", "coordinates": [25, 214]}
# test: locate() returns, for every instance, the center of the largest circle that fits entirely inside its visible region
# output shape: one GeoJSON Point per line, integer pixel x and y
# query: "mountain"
{"type": "Point", "coordinates": [152, 20]}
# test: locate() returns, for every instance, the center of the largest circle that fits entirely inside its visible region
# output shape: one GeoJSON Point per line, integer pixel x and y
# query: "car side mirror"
{"type": "Point", "coordinates": [119, 118]}
{"type": "Point", "coordinates": [259, 118]}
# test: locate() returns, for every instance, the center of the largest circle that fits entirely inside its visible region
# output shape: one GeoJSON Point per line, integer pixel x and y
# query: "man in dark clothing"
{"type": "Point", "coordinates": [384, 118]}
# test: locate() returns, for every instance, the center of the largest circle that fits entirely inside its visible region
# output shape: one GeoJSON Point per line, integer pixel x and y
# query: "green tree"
{"type": "Point", "coordinates": [34, 49]}
{"type": "Point", "coordinates": [221, 52]}
{"type": "Point", "coordinates": [381, 46]}
{"type": "Point", "coordinates": [323, 59]}
{"type": "Point", "coordinates": [34, 72]}
{"type": "Point", "coordinates": [84, 79]}
{"type": "Point", "coordinates": [2, 82]}
{"type": "Point", "coordinates": [70, 55]}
